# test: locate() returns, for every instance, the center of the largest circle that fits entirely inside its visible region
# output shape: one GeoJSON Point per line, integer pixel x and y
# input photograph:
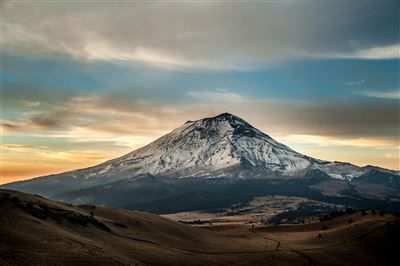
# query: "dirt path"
{"type": "Point", "coordinates": [278, 244]}
{"type": "Point", "coordinates": [307, 259]}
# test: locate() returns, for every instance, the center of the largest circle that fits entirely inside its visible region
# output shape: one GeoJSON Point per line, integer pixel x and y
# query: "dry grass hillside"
{"type": "Point", "coordinates": [37, 231]}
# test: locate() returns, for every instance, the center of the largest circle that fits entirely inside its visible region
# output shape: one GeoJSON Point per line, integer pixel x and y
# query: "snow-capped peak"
{"type": "Point", "coordinates": [208, 145]}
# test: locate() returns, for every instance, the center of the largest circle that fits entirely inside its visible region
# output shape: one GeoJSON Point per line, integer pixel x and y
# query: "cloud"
{"type": "Point", "coordinates": [383, 94]}
{"type": "Point", "coordinates": [124, 120]}
{"type": "Point", "coordinates": [374, 53]}
{"type": "Point", "coordinates": [202, 35]}
{"type": "Point", "coordinates": [17, 147]}
{"type": "Point", "coordinates": [9, 126]}
{"type": "Point", "coordinates": [336, 120]}
{"type": "Point", "coordinates": [49, 153]}
{"type": "Point", "coordinates": [22, 161]}
{"type": "Point", "coordinates": [334, 141]}
{"type": "Point", "coordinates": [352, 83]}
{"type": "Point", "coordinates": [119, 118]}
{"type": "Point", "coordinates": [30, 103]}
{"type": "Point", "coordinates": [384, 52]}
{"type": "Point", "coordinates": [102, 51]}
{"type": "Point", "coordinates": [218, 95]}
{"type": "Point", "coordinates": [45, 121]}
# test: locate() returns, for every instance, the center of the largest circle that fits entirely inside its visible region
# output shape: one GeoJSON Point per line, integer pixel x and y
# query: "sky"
{"type": "Point", "coordinates": [86, 81]}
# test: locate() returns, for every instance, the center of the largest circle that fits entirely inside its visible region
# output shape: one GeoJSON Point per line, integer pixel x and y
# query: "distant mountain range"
{"type": "Point", "coordinates": [212, 163]}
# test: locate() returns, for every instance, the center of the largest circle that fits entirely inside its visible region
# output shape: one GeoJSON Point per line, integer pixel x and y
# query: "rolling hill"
{"type": "Point", "coordinates": [38, 231]}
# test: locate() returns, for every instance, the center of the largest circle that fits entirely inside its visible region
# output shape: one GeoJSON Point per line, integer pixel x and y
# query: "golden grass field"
{"type": "Point", "coordinates": [37, 231]}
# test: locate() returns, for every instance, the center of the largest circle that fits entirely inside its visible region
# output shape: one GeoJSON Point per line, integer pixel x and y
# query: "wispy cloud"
{"type": "Point", "coordinates": [103, 51]}
{"type": "Point", "coordinates": [27, 161]}
{"type": "Point", "coordinates": [217, 95]}
{"type": "Point", "coordinates": [383, 52]}
{"type": "Point", "coordinates": [352, 83]}
{"type": "Point", "coordinates": [125, 121]}
{"type": "Point", "coordinates": [30, 103]}
{"type": "Point", "coordinates": [45, 152]}
{"type": "Point", "coordinates": [374, 53]}
{"type": "Point", "coordinates": [383, 94]}
{"type": "Point", "coordinates": [338, 141]}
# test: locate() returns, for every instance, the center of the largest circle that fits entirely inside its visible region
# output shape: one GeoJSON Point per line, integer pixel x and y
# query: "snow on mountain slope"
{"type": "Point", "coordinates": [224, 145]}
{"type": "Point", "coordinates": [208, 145]}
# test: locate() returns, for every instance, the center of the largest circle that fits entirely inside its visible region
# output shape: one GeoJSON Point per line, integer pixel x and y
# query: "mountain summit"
{"type": "Point", "coordinates": [223, 145]}
{"type": "Point", "coordinates": [209, 145]}
{"type": "Point", "coordinates": [220, 147]}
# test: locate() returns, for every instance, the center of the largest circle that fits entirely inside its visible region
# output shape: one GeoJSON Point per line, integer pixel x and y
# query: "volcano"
{"type": "Point", "coordinates": [221, 160]}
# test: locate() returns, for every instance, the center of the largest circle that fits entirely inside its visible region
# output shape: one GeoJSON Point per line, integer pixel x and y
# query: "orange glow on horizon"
{"type": "Point", "coordinates": [16, 171]}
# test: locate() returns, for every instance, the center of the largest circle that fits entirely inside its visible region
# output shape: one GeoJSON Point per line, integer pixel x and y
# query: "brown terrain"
{"type": "Point", "coordinates": [37, 231]}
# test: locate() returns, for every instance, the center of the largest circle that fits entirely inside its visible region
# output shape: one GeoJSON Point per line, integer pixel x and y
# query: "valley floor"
{"type": "Point", "coordinates": [37, 231]}
{"type": "Point", "coordinates": [262, 210]}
